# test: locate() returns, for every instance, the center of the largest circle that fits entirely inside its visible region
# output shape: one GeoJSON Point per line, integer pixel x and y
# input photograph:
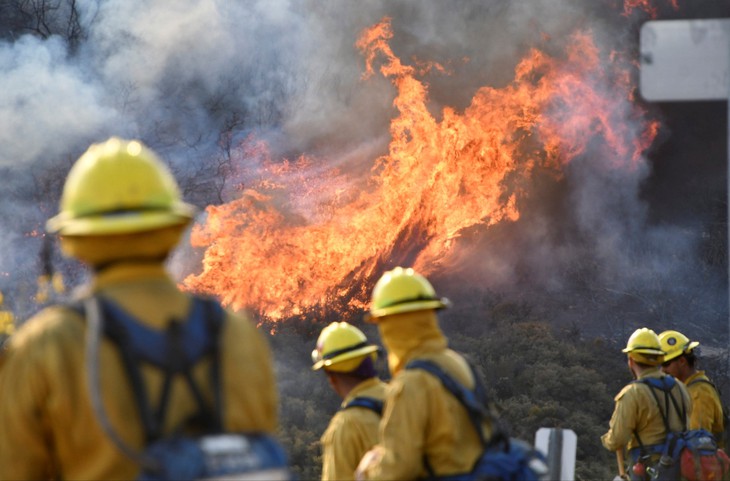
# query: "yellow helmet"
{"type": "Point", "coordinates": [644, 347]}
{"type": "Point", "coordinates": [674, 344]}
{"type": "Point", "coordinates": [119, 187]}
{"type": "Point", "coordinates": [403, 290]}
{"type": "Point", "coordinates": [341, 347]}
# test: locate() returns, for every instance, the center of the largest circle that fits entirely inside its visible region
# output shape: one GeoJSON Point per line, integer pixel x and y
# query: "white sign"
{"type": "Point", "coordinates": [685, 60]}
{"type": "Point", "coordinates": [559, 447]}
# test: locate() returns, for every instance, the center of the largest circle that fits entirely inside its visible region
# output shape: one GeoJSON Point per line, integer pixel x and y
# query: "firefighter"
{"type": "Point", "coordinates": [121, 214]}
{"type": "Point", "coordinates": [425, 431]}
{"type": "Point", "coordinates": [348, 360]}
{"type": "Point", "coordinates": [637, 422]}
{"type": "Point", "coordinates": [680, 361]}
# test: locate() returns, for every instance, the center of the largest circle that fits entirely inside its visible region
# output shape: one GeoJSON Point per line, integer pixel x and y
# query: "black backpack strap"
{"type": "Point", "coordinates": [706, 381]}
{"type": "Point", "coordinates": [653, 386]}
{"type": "Point", "coordinates": [664, 384]}
{"type": "Point", "coordinates": [670, 382]}
{"type": "Point", "coordinates": [215, 316]}
{"type": "Point", "coordinates": [724, 411]}
{"type": "Point", "coordinates": [114, 331]}
{"type": "Point", "coordinates": [175, 351]}
{"type": "Point", "coordinates": [474, 401]}
{"type": "Point", "coordinates": [682, 413]}
{"type": "Point", "coordinates": [375, 405]}
{"type": "Point", "coordinates": [665, 419]}
{"type": "Point", "coordinates": [206, 316]}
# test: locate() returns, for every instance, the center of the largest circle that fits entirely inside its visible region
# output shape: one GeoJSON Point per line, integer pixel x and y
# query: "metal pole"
{"type": "Point", "coordinates": [555, 454]}
{"type": "Point", "coordinates": [727, 105]}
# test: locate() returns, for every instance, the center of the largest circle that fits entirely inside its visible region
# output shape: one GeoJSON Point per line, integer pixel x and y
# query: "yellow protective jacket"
{"type": "Point", "coordinates": [706, 405]}
{"type": "Point", "coordinates": [351, 433]}
{"type": "Point", "coordinates": [422, 421]}
{"type": "Point", "coordinates": [636, 411]}
{"type": "Point", "coordinates": [48, 428]}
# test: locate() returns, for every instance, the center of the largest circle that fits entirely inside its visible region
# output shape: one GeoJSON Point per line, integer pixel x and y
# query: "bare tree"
{"type": "Point", "coordinates": [43, 18]}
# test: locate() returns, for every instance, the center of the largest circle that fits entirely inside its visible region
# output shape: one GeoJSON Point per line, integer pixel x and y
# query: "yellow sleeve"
{"type": "Point", "coordinates": [623, 421]}
{"type": "Point", "coordinates": [340, 450]}
{"type": "Point", "coordinates": [248, 378]}
{"type": "Point", "coordinates": [25, 444]}
{"type": "Point", "coordinates": [706, 408]}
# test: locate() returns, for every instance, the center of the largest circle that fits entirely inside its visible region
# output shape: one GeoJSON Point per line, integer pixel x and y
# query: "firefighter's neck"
{"type": "Point", "coordinates": [637, 369]}
{"type": "Point", "coordinates": [342, 383]}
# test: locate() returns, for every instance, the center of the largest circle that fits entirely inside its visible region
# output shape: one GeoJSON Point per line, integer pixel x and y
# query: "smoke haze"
{"type": "Point", "coordinates": [193, 79]}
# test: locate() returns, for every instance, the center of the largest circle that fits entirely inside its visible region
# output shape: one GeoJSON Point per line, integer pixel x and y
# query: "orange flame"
{"type": "Point", "coordinates": [305, 237]}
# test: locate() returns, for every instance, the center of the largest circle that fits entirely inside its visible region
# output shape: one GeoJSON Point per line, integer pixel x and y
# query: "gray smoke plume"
{"type": "Point", "coordinates": [192, 79]}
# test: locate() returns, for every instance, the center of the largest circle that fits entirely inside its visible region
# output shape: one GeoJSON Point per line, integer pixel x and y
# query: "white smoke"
{"type": "Point", "coordinates": [178, 74]}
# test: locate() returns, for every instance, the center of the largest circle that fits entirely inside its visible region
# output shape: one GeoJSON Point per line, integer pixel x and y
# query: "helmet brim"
{"type": "Point", "coordinates": [363, 351]}
{"type": "Point", "coordinates": [679, 352]}
{"type": "Point", "coordinates": [374, 315]}
{"type": "Point", "coordinates": [650, 359]}
{"type": "Point", "coordinates": [121, 222]}
{"type": "Point", "coordinates": [644, 350]}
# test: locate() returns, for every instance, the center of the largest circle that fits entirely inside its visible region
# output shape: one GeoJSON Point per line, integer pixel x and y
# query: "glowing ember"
{"type": "Point", "coordinates": [302, 237]}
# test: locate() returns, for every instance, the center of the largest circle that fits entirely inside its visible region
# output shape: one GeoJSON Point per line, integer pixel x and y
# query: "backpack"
{"type": "Point", "coordinates": [504, 458]}
{"type": "Point", "coordinates": [688, 454]}
{"type": "Point", "coordinates": [375, 405]}
{"type": "Point", "coordinates": [200, 448]}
